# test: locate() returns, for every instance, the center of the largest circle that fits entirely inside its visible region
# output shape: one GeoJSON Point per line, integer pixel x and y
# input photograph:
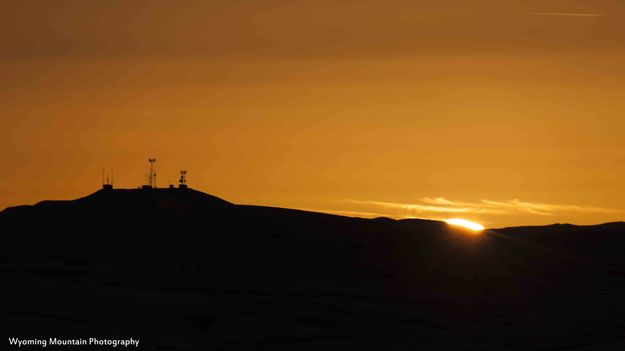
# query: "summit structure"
{"type": "Point", "coordinates": [150, 178]}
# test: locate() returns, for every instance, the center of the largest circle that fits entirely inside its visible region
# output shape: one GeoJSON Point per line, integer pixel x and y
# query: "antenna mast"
{"type": "Point", "coordinates": [183, 180]}
{"type": "Point", "coordinates": [107, 179]}
{"type": "Point", "coordinates": [152, 174]}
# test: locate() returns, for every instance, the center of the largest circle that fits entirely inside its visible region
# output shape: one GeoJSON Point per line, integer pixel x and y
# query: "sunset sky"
{"type": "Point", "coordinates": [505, 112]}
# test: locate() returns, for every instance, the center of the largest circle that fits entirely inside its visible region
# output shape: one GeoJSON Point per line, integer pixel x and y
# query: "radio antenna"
{"type": "Point", "coordinates": [183, 180]}
{"type": "Point", "coordinates": [107, 182]}
{"type": "Point", "coordinates": [152, 174]}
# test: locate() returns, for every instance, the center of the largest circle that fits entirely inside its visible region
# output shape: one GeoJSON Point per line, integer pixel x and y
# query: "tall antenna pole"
{"type": "Point", "coordinates": [152, 174]}
{"type": "Point", "coordinates": [107, 183]}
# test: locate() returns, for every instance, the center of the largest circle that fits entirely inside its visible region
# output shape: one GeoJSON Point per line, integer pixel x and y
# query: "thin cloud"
{"type": "Point", "coordinates": [441, 205]}
{"type": "Point", "coordinates": [544, 209]}
{"type": "Point", "coordinates": [530, 13]}
{"type": "Point", "coordinates": [554, 14]}
{"type": "Point", "coordinates": [413, 207]}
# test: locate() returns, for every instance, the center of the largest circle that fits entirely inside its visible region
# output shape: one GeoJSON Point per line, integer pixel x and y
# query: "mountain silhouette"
{"type": "Point", "coordinates": [181, 269]}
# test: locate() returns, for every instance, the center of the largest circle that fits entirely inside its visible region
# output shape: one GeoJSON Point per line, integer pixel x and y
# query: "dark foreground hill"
{"type": "Point", "coordinates": [180, 269]}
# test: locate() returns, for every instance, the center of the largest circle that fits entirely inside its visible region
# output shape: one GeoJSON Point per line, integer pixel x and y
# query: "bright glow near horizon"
{"type": "Point", "coordinates": [464, 223]}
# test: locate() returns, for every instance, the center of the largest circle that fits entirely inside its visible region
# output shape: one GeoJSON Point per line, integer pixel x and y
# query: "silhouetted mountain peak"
{"type": "Point", "coordinates": [129, 201]}
{"type": "Point", "coordinates": [189, 197]}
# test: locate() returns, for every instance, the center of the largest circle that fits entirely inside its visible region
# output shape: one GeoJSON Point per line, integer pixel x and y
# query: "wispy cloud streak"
{"type": "Point", "coordinates": [553, 14]}
{"type": "Point", "coordinates": [441, 205]}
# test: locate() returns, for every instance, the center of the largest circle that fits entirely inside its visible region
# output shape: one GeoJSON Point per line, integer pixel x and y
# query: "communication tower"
{"type": "Point", "coordinates": [107, 179]}
{"type": "Point", "coordinates": [151, 175]}
{"type": "Point", "coordinates": [183, 180]}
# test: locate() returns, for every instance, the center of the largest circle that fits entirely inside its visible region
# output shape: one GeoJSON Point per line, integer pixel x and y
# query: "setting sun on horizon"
{"type": "Point", "coordinates": [464, 223]}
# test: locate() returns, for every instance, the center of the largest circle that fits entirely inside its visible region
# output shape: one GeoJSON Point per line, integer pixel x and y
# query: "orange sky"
{"type": "Point", "coordinates": [499, 111]}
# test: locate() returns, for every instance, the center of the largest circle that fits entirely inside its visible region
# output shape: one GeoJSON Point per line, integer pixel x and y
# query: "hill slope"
{"type": "Point", "coordinates": [186, 269]}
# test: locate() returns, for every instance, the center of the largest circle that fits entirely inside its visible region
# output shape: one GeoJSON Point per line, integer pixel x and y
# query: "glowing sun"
{"type": "Point", "coordinates": [476, 227]}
